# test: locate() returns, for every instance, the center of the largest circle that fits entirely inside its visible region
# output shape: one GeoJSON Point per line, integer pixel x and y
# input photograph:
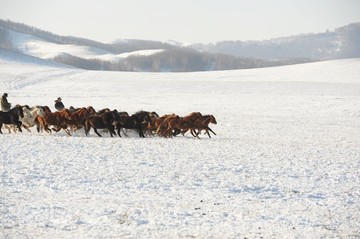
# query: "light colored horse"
{"type": "Point", "coordinates": [30, 115]}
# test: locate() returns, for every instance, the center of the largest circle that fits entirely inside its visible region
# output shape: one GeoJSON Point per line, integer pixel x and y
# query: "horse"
{"type": "Point", "coordinates": [190, 119]}
{"type": "Point", "coordinates": [153, 125]}
{"type": "Point", "coordinates": [135, 121]}
{"type": "Point", "coordinates": [91, 110]}
{"type": "Point", "coordinates": [30, 115]}
{"type": "Point", "coordinates": [46, 110]}
{"type": "Point", "coordinates": [162, 128]}
{"type": "Point", "coordinates": [60, 120]}
{"type": "Point", "coordinates": [12, 117]}
{"type": "Point", "coordinates": [78, 118]}
{"type": "Point", "coordinates": [106, 120]}
{"type": "Point", "coordinates": [203, 124]}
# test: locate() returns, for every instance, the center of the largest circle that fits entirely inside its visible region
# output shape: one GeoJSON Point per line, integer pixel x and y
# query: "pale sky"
{"type": "Point", "coordinates": [182, 20]}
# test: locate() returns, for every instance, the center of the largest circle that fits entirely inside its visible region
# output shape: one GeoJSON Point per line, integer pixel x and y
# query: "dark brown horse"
{"type": "Point", "coordinates": [79, 117]}
{"type": "Point", "coordinates": [107, 120]}
{"type": "Point", "coordinates": [136, 121]}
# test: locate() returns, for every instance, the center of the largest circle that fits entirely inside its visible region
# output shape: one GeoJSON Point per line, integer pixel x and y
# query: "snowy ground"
{"type": "Point", "coordinates": [285, 162]}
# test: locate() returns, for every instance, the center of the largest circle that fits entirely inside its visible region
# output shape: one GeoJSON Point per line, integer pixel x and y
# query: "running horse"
{"type": "Point", "coordinates": [135, 121]}
{"type": "Point", "coordinates": [30, 116]}
{"type": "Point", "coordinates": [107, 120]}
{"type": "Point", "coordinates": [60, 120]}
{"type": "Point", "coordinates": [12, 117]}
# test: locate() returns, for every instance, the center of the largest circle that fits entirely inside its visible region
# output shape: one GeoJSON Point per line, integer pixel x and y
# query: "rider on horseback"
{"type": "Point", "coordinates": [59, 106]}
{"type": "Point", "coordinates": [5, 105]}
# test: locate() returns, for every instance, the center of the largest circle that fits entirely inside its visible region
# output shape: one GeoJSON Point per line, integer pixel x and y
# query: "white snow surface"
{"type": "Point", "coordinates": [284, 163]}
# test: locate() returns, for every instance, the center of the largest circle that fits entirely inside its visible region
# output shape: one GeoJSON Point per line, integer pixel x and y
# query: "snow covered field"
{"type": "Point", "coordinates": [285, 162]}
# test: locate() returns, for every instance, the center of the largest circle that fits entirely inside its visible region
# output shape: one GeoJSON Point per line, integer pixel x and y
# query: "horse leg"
{"type": "Point", "coordinates": [141, 134]}
{"type": "Point", "coordinates": [38, 128]}
{"type": "Point", "coordinates": [8, 127]}
{"type": "Point", "coordinates": [196, 133]}
{"type": "Point", "coordinates": [0, 128]}
{"type": "Point", "coordinates": [208, 128]}
{"type": "Point", "coordinates": [27, 128]}
{"type": "Point", "coordinates": [118, 127]}
{"type": "Point", "coordinates": [193, 133]}
{"type": "Point", "coordinates": [207, 132]}
{"type": "Point", "coordinates": [18, 125]}
{"type": "Point", "coordinates": [67, 131]}
{"type": "Point", "coordinates": [97, 132]}
{"type": "Point", "coordinates": [111, 130]}
{"type": "Point", "coordinates": [44, 126]}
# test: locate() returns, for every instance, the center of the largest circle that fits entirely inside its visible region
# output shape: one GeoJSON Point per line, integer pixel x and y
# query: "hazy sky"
{"type": "Point", "coordinates": [182, 20]}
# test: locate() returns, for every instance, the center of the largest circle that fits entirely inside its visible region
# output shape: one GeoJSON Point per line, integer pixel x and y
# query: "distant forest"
{"type": "Point", "coordinates": [342, 43]}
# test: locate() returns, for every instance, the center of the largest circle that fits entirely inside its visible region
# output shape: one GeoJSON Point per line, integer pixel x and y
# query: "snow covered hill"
{"type": "Point", "coordinates": [284, 163]}
{"type": "Point", "coordinates": [121, 55]}
{"type": "Point", "coordinates": [37, 47]}
{"type": "Point", "coordinates": [343, 42]}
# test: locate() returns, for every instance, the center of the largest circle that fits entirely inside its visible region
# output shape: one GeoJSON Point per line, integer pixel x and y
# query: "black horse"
{"type": "Point", "coordinates": [12, 117]}
{"type": "Point", "coordinates": [107, 120]}
{"type": "Point", "coordinates": [135, 121]}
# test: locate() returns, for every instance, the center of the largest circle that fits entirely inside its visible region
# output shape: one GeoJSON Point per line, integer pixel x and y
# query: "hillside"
{"type": "Point", "coordinates": [343, 42]}
{"type": "Point", "coordinates": [122, 55]}
{"type": "Point", "coordinates": [153, 56]}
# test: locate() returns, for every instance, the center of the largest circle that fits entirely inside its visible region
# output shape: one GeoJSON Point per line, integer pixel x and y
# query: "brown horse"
{"type": "Point", "coordinates": [190, 119]}
{"type": "Point", "coordinates": [107, 120]}
{"type": "Point", "coordinates": [203, 124]}
{"type": "Point", "coordinates": [176, 125]}
{"type": "Point", "coordinates": [197, 121]}
{"type": "Point", "coordinates": [79, 117]}
{"type": "Point", "coordinates": [60, 120]}
{"type": "Point", "coordinates": [163, 128]}
{"type": "Point", "coordinates": [46, 110]}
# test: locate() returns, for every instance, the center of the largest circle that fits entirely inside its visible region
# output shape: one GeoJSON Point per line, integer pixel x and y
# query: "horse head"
{"type": "Point", "coordinates": [116, 116]}
{"type": "Point", "coordinates": [19, 111]}
{"type": "Point", "coordinates": [40, 111]}
{"type": "Point", "coordinates": [153, 115]}
{"type": "Point", "coordinates": [147, 117]}
{"type": "Point", "coordinates": [91, 110]}
{"type": "Point", "coordinates": [213, 120]}
{"type": "Point", "coordinates": [26, 112]}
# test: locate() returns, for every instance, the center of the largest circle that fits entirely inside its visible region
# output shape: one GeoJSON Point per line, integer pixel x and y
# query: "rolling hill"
{"type": "Point", "coordinates": [142, 55]}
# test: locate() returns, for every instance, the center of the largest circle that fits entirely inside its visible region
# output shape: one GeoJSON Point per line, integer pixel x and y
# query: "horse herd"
{"type": "Point", "coordinates": [112, 121]}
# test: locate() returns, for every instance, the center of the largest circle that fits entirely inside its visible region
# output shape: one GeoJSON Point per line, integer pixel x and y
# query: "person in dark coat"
{"type": "Point", "coordinates": [59, 106]}
{"type": "Point", "coordinates": [5, 105]}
